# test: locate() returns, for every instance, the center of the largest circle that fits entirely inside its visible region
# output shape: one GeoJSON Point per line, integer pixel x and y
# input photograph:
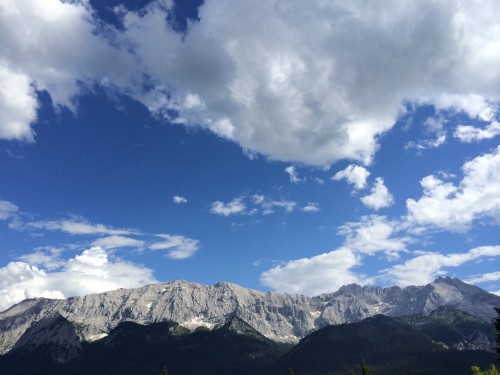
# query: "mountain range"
{"type": "Point", "coordinates": [270, 329]}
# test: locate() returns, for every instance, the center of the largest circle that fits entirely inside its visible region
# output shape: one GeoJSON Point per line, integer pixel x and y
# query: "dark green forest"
{"type": "Point", "coordinates": [379, 345]}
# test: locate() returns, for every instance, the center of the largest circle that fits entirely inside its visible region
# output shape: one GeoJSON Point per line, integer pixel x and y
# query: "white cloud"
{"type": "Point", "coordinates": [51, 45]}
{"type": "Point", "coordinates": [329, 271]}
{"type": "Point", "coordinates": [252, 205]}
{"type": "Point", "coordinates": [468, 133]}
{"type": "Point", "coordinates": [475, 106]}
{"type": "Point", "coordinates": [18, 105]}
{"type": "Point", "coordinates": [353, 174]}
{"type": "Point", "coordinates": [426, 266]}
{"type": "Point", "coordinates": [319, 180]}
{"type": "Point", "coordinates": [179, 200]}
{"type": "Point", "coordinates": [312, 276]}
{"type": "Point", "coordinates": [443, 205]}
{"type": "Point", "coordinates": [47, 258]}
{"type": "Point", "coordinates": [19, 281]}
{"type": "Point", "coordinates": [77, 226]}
{"type": "Point", "coordinates": [178, 247]}
{"type": "Point", "coordinates": [491, 276]}
{"type": "Point", "coordinates": [268, 207]}
{"type": "Point", "coordinates": [294, 176]}
{"type": "Point", "coordinates": [236, 206]}
{"type": "Point", "coordinates": [258, 199]}
{"type": "Point", "coordinates": [257, 263]}
{"type": "Point", "coordinates": [90, 272]}
{"type": "Point", "coordinates": [435, 127]}
{"type": "Point", "coordinates": [374, 234]}
{"type": "Point", "coordinates": [380, 196]}
{"type": "Point", "coordinates": [311, 207]}
{"type": "Point", "coordinates": [294, 99]}
{"type": "Point", "coordinates": [446, 175]}
{"type": "Point", "coordinates": [446, 206]}
{"type": "Point", "coordinates": [297, 82]}
{"type": "Point", "coordinates": [7, 210]}
{"type": "Point", "coordinates": [427, 143]}
{"type": "Point", "coordinates": [113, 242]}
{"type": "Point", "coordinates": [193, 101]}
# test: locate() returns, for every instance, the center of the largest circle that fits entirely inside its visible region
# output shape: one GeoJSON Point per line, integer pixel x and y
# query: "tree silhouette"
{"type": "Point", "coordinates": [364, 370]}
{"type": "Point", "coordinates": [477, 371]}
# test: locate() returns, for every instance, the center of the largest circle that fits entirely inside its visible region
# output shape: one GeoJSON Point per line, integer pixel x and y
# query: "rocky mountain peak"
{"type": "Point", "coordinates": [458, 284]}
{"type": "Point", "coordinates": [278, 316]}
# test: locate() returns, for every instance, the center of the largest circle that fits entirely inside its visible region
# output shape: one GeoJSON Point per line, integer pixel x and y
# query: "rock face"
{"type": "Point", "coordinates": [52, 337]}
{"type": "Point", "coordinates": [278, 316]}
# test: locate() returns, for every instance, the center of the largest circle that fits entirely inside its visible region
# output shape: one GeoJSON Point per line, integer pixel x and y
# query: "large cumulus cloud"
{"type": "Point", "coordinates": [92, 271]}
{"type": "Point", "coordinates": [456, 207]}
{"type": "Point", "coordinates": [312, 83]}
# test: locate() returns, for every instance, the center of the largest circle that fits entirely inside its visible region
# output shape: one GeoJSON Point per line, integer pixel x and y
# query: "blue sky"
{"type": "Point", "coordinates": [261, 143]}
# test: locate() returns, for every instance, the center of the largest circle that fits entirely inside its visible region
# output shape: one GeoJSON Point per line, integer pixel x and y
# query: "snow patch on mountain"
{"type": "Point", "coordinates": [196, 322]}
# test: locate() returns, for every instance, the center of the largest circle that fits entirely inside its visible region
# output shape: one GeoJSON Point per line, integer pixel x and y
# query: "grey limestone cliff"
{"type": "Point", "coordinates": [278, 316]}
{"type": "Point", "coordinates": [54, 337]}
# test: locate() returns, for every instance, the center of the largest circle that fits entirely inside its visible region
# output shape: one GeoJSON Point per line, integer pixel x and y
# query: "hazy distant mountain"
{"type": "Point", "coordinates": [276, 316]}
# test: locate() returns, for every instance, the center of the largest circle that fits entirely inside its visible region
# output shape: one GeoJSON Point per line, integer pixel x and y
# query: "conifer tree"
{"type": "Point", "coordinates": [364, 370]}
{"type": "Point", "coordinates": [477, 371]}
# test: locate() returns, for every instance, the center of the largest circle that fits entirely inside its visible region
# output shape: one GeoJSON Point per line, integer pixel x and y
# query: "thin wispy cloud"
{"type": "Point", "coordinates": [7, 210]}
{"type": "Point", "coordinates": [113, 242]}
{"type": "Point", "coordinates": [435, 129]}
{"type": "Point", "coordinates": [252, 205]}
{"type": "Point", "coordinates": [294, 176]}
{"type": "Point", "coordinates": [491, 276]}
{"type": "Point", "coordinates": [76, 226]}
{"type": "Point", "coordinates": [177, 247]}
